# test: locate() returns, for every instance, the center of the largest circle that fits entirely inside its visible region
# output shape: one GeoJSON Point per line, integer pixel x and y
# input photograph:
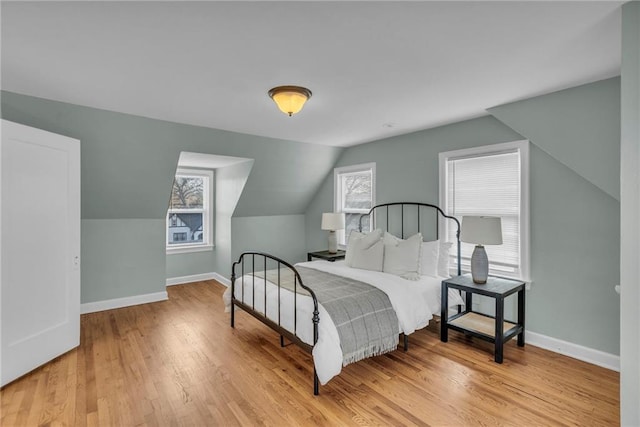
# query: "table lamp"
{"type": "Point", "coordinates": [333, 221]}
{"type": "Point", "coordinates": [481, 230]}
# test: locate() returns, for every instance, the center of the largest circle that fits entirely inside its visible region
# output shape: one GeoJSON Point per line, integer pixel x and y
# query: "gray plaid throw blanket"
{"type": "Point", "coordinates": [366, 322]}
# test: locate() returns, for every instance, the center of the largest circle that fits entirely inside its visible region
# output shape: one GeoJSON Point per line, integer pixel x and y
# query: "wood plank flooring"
{"type": "Point", "coordinates": [178, 362]}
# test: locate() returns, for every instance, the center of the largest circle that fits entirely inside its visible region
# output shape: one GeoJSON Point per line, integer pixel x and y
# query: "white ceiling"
{"type": "Point", "coordinates": [207, 161]}
{"type": "Point", "coordinates": [376, 69]}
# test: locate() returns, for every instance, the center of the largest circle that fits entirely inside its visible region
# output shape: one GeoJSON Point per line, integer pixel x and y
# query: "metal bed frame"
{"type": "Point", "coordinates": [292, 336]}
{"type": "Point", "coordinates": [263, 259]}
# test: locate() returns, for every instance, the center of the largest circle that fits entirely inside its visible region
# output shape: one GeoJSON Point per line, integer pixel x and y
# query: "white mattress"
{"type": "Point", "coordinates": [415, 303]}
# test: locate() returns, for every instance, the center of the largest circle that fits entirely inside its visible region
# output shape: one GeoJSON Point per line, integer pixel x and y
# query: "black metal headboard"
{"type": "Point", "coordinates": [411, 212]}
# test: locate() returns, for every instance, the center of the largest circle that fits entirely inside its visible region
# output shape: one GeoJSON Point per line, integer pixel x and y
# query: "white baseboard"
{"type": "Point", "coordinates": [191, 278]}
{"type": "Point", "coordinates": [92, 307]}
{"type": "Point", "coordinates": [586, 354]}
{"type": "Point", "coordinates": [220, 278]}
{"type": "Point", "coordinates": [199, 278]}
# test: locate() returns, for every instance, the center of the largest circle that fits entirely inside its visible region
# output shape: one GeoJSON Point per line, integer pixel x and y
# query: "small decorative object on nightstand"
{"type": "Point", "coordinates": [481, 230]}
{"type": "Point", "coordinates": [489, 328]}
{"type": "Point", "coordinates": [326, 255]}
{"type": "Point", "coordinates": [333, 221]}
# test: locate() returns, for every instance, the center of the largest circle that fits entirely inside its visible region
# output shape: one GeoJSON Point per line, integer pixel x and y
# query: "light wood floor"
{"type": "Point", "coordinates": [179, 363]}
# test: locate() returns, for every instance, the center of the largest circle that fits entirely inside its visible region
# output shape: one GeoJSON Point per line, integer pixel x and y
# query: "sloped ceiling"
{"type": "Point", "coordinates": [128, 162]}
{"type": "Point", "coordinates": [580, 127]}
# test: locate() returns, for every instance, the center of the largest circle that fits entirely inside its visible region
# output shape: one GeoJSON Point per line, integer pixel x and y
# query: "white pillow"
{"type": "Point", "coordinates": [402, 257]}
{"type": "Point", "coordinates": [359, 241]}
{"type": "Point", "coordinates": [369, 258]}
{"type": "Point", "coordinates": [443, 259]}
{"type": "Point", "coordinates": [429, 258]}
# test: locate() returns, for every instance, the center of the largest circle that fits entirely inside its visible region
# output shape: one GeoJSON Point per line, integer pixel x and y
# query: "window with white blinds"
{"type": "Point", "coordinates": [490, 181]}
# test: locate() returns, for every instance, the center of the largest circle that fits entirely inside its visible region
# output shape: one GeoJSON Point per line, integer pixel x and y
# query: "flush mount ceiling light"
{"type": "Point", "coordinates": [290, 99]}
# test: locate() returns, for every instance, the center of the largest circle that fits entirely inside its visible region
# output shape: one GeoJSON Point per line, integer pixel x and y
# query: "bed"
{"type": "Point", "coordinates": [278, 293]}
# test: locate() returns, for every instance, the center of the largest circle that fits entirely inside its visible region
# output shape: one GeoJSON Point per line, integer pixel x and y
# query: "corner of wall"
{"type": "Point", "coordinates": [230, 182]}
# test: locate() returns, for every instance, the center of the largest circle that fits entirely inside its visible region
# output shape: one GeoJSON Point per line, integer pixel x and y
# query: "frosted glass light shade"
{"type": "Point", "coordinates": [332, 221]}
{"type": "Point", "coordinates": [290, 99]}
{"type": "Point", "coordinates": [481, 230]}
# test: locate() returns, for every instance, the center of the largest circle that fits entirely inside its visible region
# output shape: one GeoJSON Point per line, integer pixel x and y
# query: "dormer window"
{"type": "Point", "coordinates": [189, 221]}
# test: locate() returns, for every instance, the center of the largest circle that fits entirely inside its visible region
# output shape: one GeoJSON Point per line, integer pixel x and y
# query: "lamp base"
{"type": "Point", "coordinates": [479, 265]}
{"type": "Point", "coordinates": [333, 242]}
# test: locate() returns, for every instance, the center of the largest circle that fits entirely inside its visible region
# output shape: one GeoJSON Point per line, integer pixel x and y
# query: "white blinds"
{"type": "Point", "coordinates": [488, 184]}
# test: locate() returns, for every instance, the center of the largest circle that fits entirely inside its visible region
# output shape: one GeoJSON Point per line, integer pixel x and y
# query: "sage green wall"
{"type": "Point", "coordinates": [277, 235]}
{"type": "Point", "coordinates": [630, 212]}
{"type": "Point", "coordinates": [121, 258]}
{"type": "Point", "coordinates": [574, 224]}
{"type": "Point", "coordinates": [574, 127]}
{"type": "Point", "coordinates": [180, 265]}
{"type": "Point", "coordinates": [128, 161]}
{"type": "Point", "coordinates": [575, 256]}
{"type": "Point", "coordinates": [127, 168]}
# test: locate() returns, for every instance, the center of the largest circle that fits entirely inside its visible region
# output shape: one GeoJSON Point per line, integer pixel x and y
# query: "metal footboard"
{"type": "Point", "coordinates": [252, 263]}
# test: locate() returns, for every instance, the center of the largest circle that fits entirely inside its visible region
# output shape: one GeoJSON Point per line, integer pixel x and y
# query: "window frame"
{"type": "Point", "coordinates": [207, 214]}
{"type": "Point", "coordinates": [337, 193]}
{"type": "Point", "coordinates": [521, 146]}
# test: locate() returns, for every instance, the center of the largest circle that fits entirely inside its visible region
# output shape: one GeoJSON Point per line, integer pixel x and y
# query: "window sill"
{"type": "Point", "coordinates": [189, 249]}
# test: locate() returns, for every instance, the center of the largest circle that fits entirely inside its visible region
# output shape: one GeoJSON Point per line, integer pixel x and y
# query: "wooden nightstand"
{"type": "Point", "coordinates": [489, 328]}
{"type": "Point", "coordinates": [325, 255]}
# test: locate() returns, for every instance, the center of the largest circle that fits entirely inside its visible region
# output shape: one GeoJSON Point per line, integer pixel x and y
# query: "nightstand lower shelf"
{"type": "Point", "coordinates": [481, 325]}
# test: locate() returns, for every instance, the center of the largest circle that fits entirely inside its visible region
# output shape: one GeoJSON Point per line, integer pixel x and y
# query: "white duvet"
{"type": "Point", "coordinates": [415, 303]}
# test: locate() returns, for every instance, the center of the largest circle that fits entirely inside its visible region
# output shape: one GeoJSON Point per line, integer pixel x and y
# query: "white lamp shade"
{"type": "Point", "coordinates": [332, 221]}
{"type": "Point", "coordinates": [481, 230]}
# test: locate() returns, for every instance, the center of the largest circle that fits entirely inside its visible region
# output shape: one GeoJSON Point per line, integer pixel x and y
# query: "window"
{"type": "Point", "coordinates": [179, 237]}
{"type": "Point", "coordinates": [189, 225]}
{"type": "Point", "coordinates": [490, 181]}
{"type": "Point", "coordinates": [355, 191]}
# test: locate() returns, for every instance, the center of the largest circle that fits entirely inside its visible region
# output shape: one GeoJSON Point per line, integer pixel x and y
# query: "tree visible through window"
{"type": "Point", "coordinates": [355, 195]}
{"type": "Point", "coordinates": [188, 214]}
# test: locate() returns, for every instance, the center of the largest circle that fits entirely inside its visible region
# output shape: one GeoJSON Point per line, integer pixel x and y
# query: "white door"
{"type": "Point", "coordinates": [40, 250]}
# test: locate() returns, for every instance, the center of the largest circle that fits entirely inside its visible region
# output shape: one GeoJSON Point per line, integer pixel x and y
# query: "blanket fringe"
{"type": "Point", "coordinates": [371, 351]}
